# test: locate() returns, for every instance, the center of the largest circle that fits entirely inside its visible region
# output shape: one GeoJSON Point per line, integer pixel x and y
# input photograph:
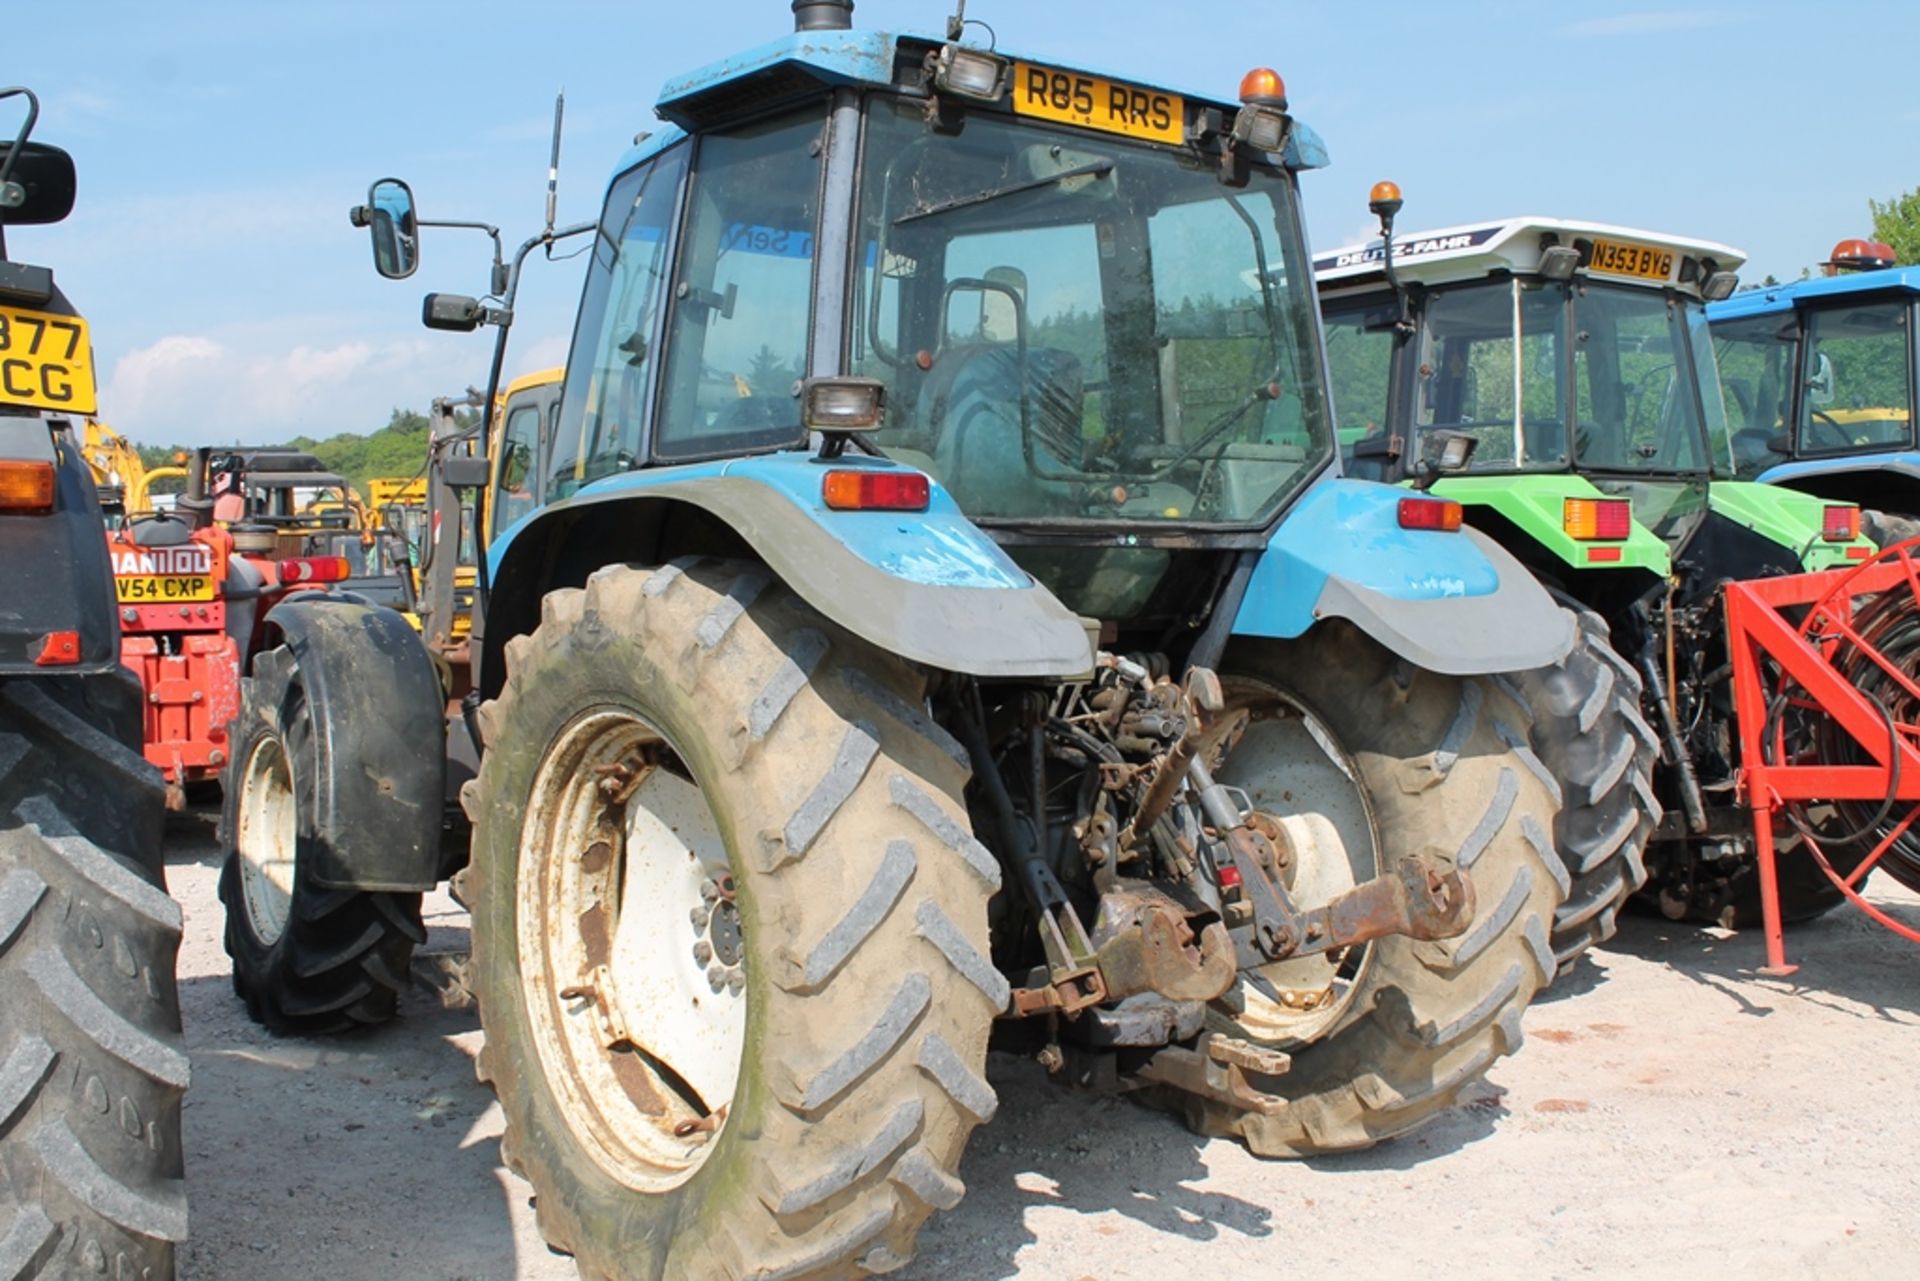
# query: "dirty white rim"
{"type": "Point", "coordinates": [266, 837]}
{"type": "Point", "coordinates": [630, 949]}
{"type": "Point", "coordinates": [1292, 767]}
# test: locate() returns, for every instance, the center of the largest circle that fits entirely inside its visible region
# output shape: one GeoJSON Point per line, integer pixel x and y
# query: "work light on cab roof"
{"type": "Point", "coordinates": [1855, 254]}
{"type": "Point", "coordinates": [1261, 123]}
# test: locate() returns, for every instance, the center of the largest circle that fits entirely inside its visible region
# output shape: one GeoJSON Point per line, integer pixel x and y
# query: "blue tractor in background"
{"type": "Point", "coordinates": [1821, 386]}
{"type": "Point", "coordinates": [936, 613]}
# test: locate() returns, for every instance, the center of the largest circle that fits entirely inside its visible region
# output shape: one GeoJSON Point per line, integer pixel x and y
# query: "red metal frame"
{"type": "Point", "coordinates": [1802, 670]}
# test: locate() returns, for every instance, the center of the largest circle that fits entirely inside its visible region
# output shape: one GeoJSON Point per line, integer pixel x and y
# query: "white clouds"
{"type": "Point", "coordinates": [1648, 22]}
{"type": "Point", "coordinates": [195, 389]}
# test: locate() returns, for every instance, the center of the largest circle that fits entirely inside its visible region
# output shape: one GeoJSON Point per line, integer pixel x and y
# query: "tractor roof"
{"type": "Point", "coordinates": [1473, 250]}
{"type": "Point", "coordinates": [1783, 298]}
{"type": "Point", "coordinates": [804, 62]}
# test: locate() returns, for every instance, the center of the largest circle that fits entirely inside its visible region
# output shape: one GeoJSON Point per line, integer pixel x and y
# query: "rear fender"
{"type": "Point", "coordinates": [1788, 517]}
{"type": "Point", "coordinates": [379, 721]}
{"type": "Point", "coordinates": [929, 586]}
{"type": "Point", "coordinates": [1535, 505]}
{"type": "Point", "coordinates": [1456, 603]}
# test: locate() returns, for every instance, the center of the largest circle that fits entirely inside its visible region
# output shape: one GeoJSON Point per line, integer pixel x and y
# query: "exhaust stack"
{"type": "Point", "coordinates": [822, 15]}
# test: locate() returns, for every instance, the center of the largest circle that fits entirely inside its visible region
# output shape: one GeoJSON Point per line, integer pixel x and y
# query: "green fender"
{"type": "Point", "coordinates": [1787, 517]}
{"type": "Point", "coordinates": [1534, 504]}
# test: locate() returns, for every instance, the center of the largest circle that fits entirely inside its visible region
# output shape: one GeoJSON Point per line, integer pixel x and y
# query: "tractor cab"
{"type": "Point", "coordinates": [1820, 382]}
{"type": "Point", "coordinates": [1079, 307]}
{"type": "Point", "coordinates": [1544, 347]}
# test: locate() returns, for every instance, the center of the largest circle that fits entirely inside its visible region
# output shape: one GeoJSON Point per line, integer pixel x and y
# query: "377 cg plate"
{"type": "Point", "coordinates": [1642, 262]}
{"type": "Point", "coordinates": [46, 361]}
{"type": "Point", "coordinates": [1093, 103]}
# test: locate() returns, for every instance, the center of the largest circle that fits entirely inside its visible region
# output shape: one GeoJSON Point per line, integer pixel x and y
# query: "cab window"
{"type": "Point", "coordinates": [514, 494]}
{"type": "Point", "coordinates": [610, 369]}
{"type": "Point", "coordinates": [1855, 390]}
{"type": "Point", "coordinates": [737, 331]}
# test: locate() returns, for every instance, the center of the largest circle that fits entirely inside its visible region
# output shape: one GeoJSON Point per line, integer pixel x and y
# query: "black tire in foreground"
{"type": "Point", "coordinates": [307, 959]}
{"type": "Point", "coordinates": [1599, 753]}
{"type": "Point", "coordinates": [698, 716]}
{"type": "Point", "coordinates": [92, 1064]}
{"type": "Point", "coordinates": [1401, 1027]}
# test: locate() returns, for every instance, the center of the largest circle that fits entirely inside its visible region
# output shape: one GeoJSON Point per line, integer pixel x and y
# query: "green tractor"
{"type": "Point", "coordinates": [1556, 379]}
{"type": "Point", "coordinates": [935, 616]}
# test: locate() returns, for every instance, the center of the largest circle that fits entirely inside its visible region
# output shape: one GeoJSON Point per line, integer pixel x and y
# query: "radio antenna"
{"type": "Point", "coordinates": [553, 160]}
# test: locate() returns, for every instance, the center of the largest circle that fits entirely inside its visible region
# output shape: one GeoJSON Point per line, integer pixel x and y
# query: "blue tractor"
{"type": "Point", "coordinates": [936, 614]}
{"type": "Point", "coordinates": [1821, 385]}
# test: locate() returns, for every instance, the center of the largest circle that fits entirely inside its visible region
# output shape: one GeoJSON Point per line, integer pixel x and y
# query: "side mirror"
{"type": "Point", "coordinates": [39, 186]}
{"type": "Point", "coordinates": [1820, 382]}
{"type": "Point", "coordinates": [456, 313]}
{"type": "Point", "coordinates": [395, 227]}
{"type": "Point", "coordinates": [464, 471]}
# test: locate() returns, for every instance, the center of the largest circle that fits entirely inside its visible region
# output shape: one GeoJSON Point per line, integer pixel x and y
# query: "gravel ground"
{"type": "Point", "coordinates": [1673, 1114]}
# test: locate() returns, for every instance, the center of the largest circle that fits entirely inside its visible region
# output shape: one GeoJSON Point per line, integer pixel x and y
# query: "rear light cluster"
{"type": "Point", "coordinates": [26, 486]}
{"type": "Point", "coordinates": [1840, 524]}
{"type": "Point", "coordinates": [1591, 520]}
{"type": "Point", "coordinates": [313, 569]}
{"type": "Point", "coordinates": [891, 491]}
{"type": "Point", "coordinates": [1430, 513]}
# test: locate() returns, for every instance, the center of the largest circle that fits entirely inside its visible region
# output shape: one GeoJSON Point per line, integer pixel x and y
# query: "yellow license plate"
{"type": "Point", "coordinates": [1093, 103]}
{"type": "Point", "coordinates": [163, 589]}
{"type": "Point", "coordinates": [1642, 262]}
{"type": "Point", "coordinates": [46, 361]}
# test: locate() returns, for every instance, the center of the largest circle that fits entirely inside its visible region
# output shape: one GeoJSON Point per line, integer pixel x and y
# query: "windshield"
{"type": "Point", "coordinates": [1078, 327]}
{"type": "Point", "coordinates": [1552, 377]}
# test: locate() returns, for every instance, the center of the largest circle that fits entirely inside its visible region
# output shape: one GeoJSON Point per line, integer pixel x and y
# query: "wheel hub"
{"type": "Point", "coordinates": [632, 949]}
{"type": "Point", "coordinates": [266, 838]}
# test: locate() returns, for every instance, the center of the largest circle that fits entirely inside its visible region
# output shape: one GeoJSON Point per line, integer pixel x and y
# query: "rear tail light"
{"type": "Point", "coordinates": [1596, 519]}
{"type": "Point", "coordinates": [1429, 513]}
{"type": "Point", "coordinates": [26, 487]}
{"type": "Point", "coordinates": [314, 569]}
{"type": "Point", "coordinates": [892, 491]}
{"type": "Point", "coordinates": [1840, 524]}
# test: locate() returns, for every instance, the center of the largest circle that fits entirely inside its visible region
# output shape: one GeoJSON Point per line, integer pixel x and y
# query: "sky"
{"type": "Point", "coordinates": [220, 145]}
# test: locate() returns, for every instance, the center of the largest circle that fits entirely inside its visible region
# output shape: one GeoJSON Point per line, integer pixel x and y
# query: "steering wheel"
{"type": "Point", "coordinates": [1826, 420]}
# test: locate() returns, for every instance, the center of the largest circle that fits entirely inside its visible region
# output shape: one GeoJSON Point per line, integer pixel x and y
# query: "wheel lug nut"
{"type": "Point", "coordinates": [698, 919]}
{"type": "Point", "coordinates": [716, 976]}
{"type": "Point", "coordinates": [736, 982]}
{"type": "Point", "coordinates": [702, 952]}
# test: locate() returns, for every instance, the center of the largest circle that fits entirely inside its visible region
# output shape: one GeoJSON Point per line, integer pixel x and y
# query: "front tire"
{"type": "Point", "coordinates": [1400, 1029]}
{"type": "Point", "coordinates": [729, 933]}
{"type": "Point", "coordinates": [307, 959]}
{"type": "Point", "coordinates": [92, 1064]}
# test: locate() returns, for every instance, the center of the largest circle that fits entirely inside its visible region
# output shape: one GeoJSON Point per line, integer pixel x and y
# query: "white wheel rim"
{"type": "Point", "coordinates": [631, 953]}
{"type": "Point", "coordinates": [266, 837]}
{"type": "Point", "coordinates": [1291, 766]}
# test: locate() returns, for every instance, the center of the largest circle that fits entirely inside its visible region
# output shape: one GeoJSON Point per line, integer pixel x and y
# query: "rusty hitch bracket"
{"type": "Point", "coordinates": [1215, 1068]}
{"type": "Point", "coordinates": [1421, 898]}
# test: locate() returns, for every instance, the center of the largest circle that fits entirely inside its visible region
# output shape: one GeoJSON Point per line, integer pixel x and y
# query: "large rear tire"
{"type": "Point", "coordinates": [729, 933]}
{"type": "Point", "coordinates": [92, 1065]}
{"type": "Point", "coordinates": [307, 959]}
{"type": "Point", "coordinates": [1599, 753]}
{"type": "Point", "coordinates": [1400, 1027]}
